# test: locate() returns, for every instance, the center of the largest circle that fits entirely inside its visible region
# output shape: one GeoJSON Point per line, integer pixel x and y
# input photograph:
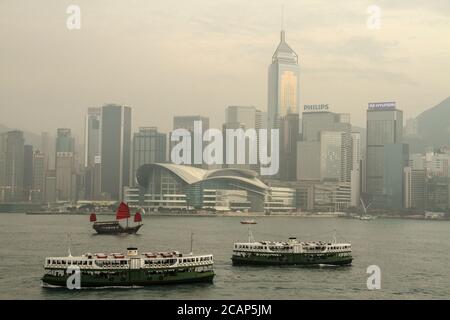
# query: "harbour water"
{"type": "Point", "coordinates": [413, 255]}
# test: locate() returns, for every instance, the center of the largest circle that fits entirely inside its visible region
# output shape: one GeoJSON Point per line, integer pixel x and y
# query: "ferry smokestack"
{"type": "Point", "coordinates": [132, 251]}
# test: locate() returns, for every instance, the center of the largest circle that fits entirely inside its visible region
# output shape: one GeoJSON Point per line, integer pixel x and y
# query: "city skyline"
{"type": "Point", "coordinates": [234, 48]}
{"type": "Point", "coordinates": [106, 161]}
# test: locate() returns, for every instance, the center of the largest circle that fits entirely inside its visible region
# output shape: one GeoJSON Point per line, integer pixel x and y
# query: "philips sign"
{"type": "Point", "coordinates": [316, 107]}
{"type": "Point", "coordinates": [382, 105]}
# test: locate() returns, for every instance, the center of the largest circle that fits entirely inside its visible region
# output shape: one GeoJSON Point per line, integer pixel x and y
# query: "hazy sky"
{"type": "Point", "coordinates": [166, 58]}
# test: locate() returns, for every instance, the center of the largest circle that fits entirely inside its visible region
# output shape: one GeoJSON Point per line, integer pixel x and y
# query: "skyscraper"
{"type": "Point", "coordinates": [331, 161]}
{"type": "Point", "coordinates": [48, 150]}
{"type": "Point", "coordinates": [248, 116]}
{"type": "Point", "coordinates": [3, 159]}
{"type": "Point", "coordinates": [289, 137]}
{"type": "Point", "coordinates": [92, 136]}
{"type": "Point", "coordinates": [39, 171]}
{"type": "Point", "coordinates": [384, 126]}
{"type": "Point", "coordinates": [188, 123]}
{"type": "Point", "coordinates": [356, 172]}
{"type": "Point", "coordinates": [396, 155]}
{"type": "Point", "coordinates": [50, 187]}
{"type": "Point", "coordinates": [64, 176]}
{"type": "Point", "coordinates": [92, 151]}
{"type": "Point", "coordinates": [14, 164]}
{"type": "Point", "coordinates": [149, 146]}
{"type": "Point", "coordinates": [115, 149]}
{"type": "Point", "coordinates": [284, 84]}
{"type": "Point", "coordinates": [243, 117]}
{"type": "Point", "coordinates": [329, 136]}
{"type": "Point", "coordinates": [64, 140]}
{"type": "Point", "coordinates": [415, 182]}
{"type": "Point", "coordinates": [27, 171]}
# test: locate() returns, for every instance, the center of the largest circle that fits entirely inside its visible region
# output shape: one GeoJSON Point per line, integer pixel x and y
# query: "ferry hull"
{"type": "Point", "coordinates": [291, 259]}
{"type": "Point", "coordinates": [132, 278]}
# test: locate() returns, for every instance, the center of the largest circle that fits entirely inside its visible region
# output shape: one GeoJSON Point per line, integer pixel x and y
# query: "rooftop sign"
{"type": "Point", "coordinates": [316, 107]}
{"type": "Point", "coordinates": [381, 105]}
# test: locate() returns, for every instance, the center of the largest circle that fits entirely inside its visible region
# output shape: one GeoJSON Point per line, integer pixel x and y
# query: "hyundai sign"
{"type": "Point", "coordinates": [381, 105]}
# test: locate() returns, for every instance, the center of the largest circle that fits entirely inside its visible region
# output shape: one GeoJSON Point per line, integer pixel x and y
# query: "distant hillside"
{"type": "Point", "coordinates": [30, 138]}
{"type": "Point", "coordinates": [433, 126]}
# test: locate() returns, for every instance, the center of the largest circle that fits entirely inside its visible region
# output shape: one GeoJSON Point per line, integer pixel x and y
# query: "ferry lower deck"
{"type": "Point", "coordinates": [300, 259]}
{"type": "Point", "coordinates": [128, 278]}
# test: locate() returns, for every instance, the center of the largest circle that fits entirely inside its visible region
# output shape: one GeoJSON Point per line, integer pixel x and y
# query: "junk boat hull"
{"type": "Point", "coordinates": [114, 227]}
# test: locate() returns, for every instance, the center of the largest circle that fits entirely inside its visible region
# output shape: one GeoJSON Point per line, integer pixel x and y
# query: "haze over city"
{"type": "Point", "coordinates": [198, 57]}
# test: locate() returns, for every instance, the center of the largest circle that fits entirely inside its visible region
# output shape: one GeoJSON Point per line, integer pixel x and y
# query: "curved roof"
{"type": "Point", "coordinates": [253, 182]}
{"type": "Point", "coordinates": [192, 175]}
{"type": "Point", "coordinates": [231, 171]}
{"type": "Point", "coordinates": [187, 173]}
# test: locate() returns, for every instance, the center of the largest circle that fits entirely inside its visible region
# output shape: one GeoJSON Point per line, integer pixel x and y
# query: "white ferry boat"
{"type": "Point", "coordinates": [130, 269]}
{"type": "Point", "coordinates": [291, 252]}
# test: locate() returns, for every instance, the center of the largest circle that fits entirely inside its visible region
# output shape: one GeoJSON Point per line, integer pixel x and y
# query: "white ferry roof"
{"type": "Point", "coordinates": [291, 242]}
{"type": "Point", "coordinates": [124, 256]}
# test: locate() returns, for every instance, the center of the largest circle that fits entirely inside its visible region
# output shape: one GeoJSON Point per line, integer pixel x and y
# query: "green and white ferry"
{"type": "Point", "coordinates": [291, 252]}
{"type": "Point", "coordinates": [130, 269]}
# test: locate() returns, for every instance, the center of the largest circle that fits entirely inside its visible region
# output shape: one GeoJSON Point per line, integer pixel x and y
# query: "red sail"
{"type": "Point", "coordinates": [137, 217]}
{"type": "Point", "coordinates": [93, 217]}
{"type": "Point", "coordinates": [123, 212]}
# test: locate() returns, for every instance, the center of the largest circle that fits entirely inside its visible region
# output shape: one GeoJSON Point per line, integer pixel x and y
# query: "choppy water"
{"type": "Point", "coordinates": [414, 257]}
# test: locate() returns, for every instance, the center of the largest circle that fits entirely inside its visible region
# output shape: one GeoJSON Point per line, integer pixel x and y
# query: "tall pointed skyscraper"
{"type": "Point", "coordinates": [284, 84]}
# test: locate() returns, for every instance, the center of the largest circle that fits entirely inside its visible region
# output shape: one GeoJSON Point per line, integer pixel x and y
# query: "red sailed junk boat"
{"type": "Point", "coordinates": [114, 227]}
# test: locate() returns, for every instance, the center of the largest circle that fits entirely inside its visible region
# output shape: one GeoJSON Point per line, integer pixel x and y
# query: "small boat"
{"type": "Point", "coordinates": [114, 227]}
{"type": "Point", "coordinates": [248, 222]}
{"type": "Point", "coordinates": [127, 270]}
{"type": "Point", "coordinates": [367, 217]}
